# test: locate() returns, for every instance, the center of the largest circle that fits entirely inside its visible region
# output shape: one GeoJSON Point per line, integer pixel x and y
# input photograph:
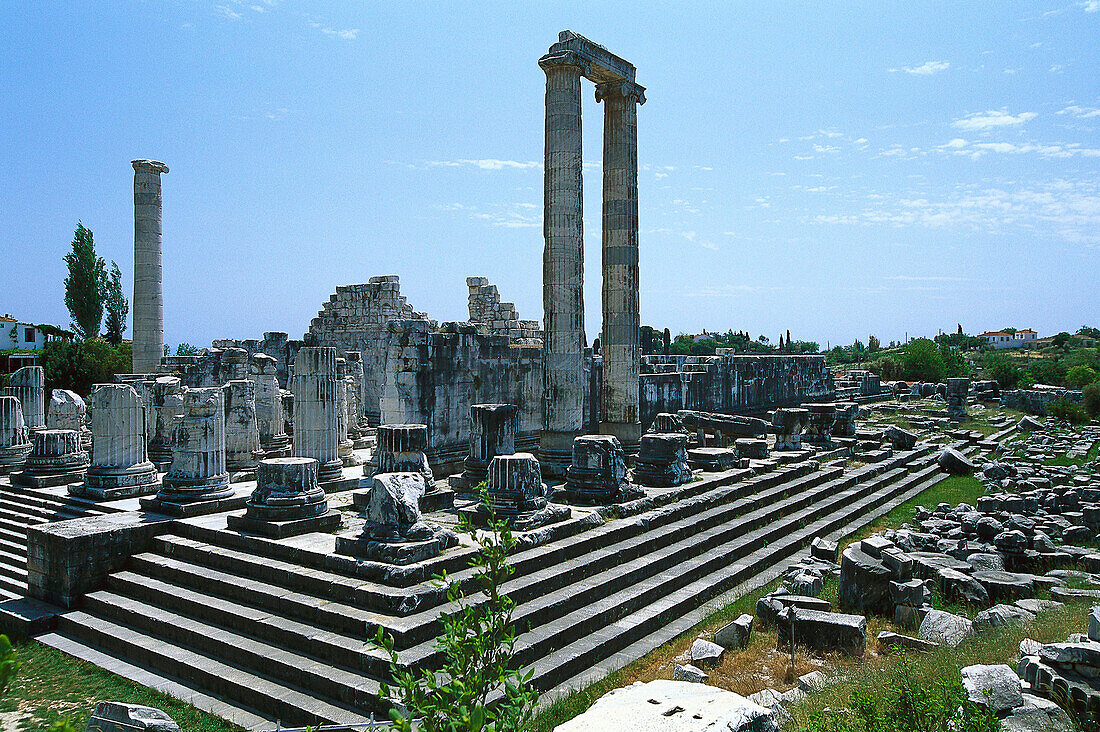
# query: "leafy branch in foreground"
{"type": "Point", "coordinates": [477, 689]}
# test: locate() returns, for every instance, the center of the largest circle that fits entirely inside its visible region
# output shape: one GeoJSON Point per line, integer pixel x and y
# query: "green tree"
{"type": "Point", "coordinates": [873, 343]}
{"type": "Point", "coordinates": [921, 360]}
{"type": "Point", "coordinates": [86, 284]}
{"type": "Point", "coordinates": [1089, 332]}
{"type": "Point", "coordinates": [477, 646]}
{"type": "Point", "coordinates": [1062, 340]}
{"type": "Point", "coordinates": [999, 367]}
{"type": "Point", "coordinates": [666, 340]}
{"type": "Point", "coordinates": [1092, 399]}
{"type": "Point", "coordinates": [186, 349]}
{"type": "Point", "coordinates": [78, 366]}
{"type": "Point", "coordinates": [645, 336]}
{"type": "Point", "coordinates": [1080, 376]}
{"type": "Point", "coordinates": [116, 305]}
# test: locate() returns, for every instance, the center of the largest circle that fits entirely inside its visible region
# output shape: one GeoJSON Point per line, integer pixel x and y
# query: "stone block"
{"type": "Point", "coordinates": [736, 635]}
{"type": "Point", "coordinates": [824, 631]}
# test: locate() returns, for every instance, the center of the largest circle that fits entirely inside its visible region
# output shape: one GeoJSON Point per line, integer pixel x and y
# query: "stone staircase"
{"type": "Point", "coordinates": [257, 629]}
{"type": "Point", "coordinates": [20, 509]}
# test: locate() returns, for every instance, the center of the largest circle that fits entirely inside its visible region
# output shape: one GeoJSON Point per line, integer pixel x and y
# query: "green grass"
{"type": "Point", "coordinates": [51, 685]}
{"type": "Point", "coordinates": [952, 490]}
{"type": "Point", "coordinates": [998, 645]}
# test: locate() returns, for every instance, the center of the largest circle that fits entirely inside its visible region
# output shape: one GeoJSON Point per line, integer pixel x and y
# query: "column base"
{"type": "Point", "coordinates": [629, 434]}
{"type": "Point", "coordinates": [556, 452]}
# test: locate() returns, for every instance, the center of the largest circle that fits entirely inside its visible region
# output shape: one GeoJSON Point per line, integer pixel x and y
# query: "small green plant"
{"type": "Point", "coordinates": [1092, 399]}
{"type": "Point", "coordinates": [9, 664]}
{"type": "Point", "coordinates": [63, 725]}
{"type": "Point", "coordinates": [477, 689]}
{"type": "Point", "coordinates": [1068, 411]}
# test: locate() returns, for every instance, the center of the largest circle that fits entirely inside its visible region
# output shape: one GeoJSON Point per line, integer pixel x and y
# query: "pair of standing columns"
{"type": "Point", "coordinates": [563, 260]}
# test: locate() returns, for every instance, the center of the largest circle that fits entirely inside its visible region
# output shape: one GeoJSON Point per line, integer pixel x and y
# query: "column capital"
{"type": "Point", "coordinates": [149, 166]}
{"type": "Point", "coordinates": [565, 58]}
{"type": "Point", "coordinates": [625, 89]}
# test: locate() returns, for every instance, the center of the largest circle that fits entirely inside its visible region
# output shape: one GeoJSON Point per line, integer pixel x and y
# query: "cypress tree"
{"type": "Point", "coordinates": [85, 286]}
{"type": "Point", "coordinates": [117, 306]}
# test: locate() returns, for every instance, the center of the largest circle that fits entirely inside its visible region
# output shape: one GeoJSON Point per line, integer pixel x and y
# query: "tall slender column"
{"type": "Point", "coordinates": [148, 299]}
{"type": "Point", "coordinates": [619, 336]}
{"type": "Point", "coordinates": [563, 262]}
{"type": "Point", "coordinates": [316, 423]}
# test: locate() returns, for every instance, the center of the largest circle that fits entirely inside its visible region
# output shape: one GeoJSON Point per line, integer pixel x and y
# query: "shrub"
{"type": "Point", "coordinates": [1000, 367]}
{"type": "Point", "coordinates": [1079, 377]}
{"type": "Point", "coordinates": [77, 366]}
{"type": "Point", "coordinates": [477, 646]}
{"type": "Point", "coordinates": [1068, 411]}
{"type": "Point", "coordinates": [921, 360]}
{"type": "Point", "coordinates": [1092, 399]}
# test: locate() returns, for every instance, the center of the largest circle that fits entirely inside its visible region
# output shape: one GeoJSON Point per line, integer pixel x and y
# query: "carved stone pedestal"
{"type": "Point", "coordinates": [662, 460]}
{"type": "Point", "coordinates": [788, 425]}
{"type": "Point", "coordinates": [56, 459]}
{"type": "Point", "coordinates": [15, 442]}
{"type": "Point", "coordinates": [287, 501]}
{"type": "Point", "coordinates": [819, 424]}
{"type": "Point", "coordinates": [120, 465]}
{"type": "Point", "coordinates": [492, 432]}
{"type": "Point", "coordinates": [597, 474]}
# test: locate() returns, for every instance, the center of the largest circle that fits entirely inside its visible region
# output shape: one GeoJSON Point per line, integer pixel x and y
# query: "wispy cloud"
{"type": "Point", "coordinates": [977, 149]}
{"type": "Point", "coordinates": [991, 119]}
{"type": "Point", "coordinates": [227, 12]}
{"type": "Point", "coordinates": [1078, 111]}
{"type": "Point", "coordinates": [486, 164]}
{"type": "Point", "coordinates": [349, 34]}
{"type": "Point", "coordinates": [1091, 6]}
{"type": "Point", "coordinates": [504, 215]}
{"type": "Point", "coordinates": [926, 69]}
{"type": "Point", "coordinates": [910, 278]}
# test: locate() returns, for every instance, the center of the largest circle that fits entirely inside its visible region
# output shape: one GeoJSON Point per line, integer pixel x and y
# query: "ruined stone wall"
{"type": "Point", "coordinates": [354, 319]}
{"type": "Point", "coordinates": [731, 384]}
{"type": "Point", "coordinates": [1037, 401]}
{"type": "Point", "coordinates": [434, 377]}
{"type": "Point", "coordinates": [275, 344]}
{"type": "Point", "coordinates": [212, 367]}
{"type": "Point", "coordinates": [499, 318]}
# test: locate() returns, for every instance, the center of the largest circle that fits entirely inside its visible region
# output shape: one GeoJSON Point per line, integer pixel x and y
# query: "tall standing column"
{"type": "Point", "coordinates": [563, 263]}
{"type": "Point", "coordinates": [148, 299]}
{"type": "Point", "coordinates": [316, 423]}
{"type": "Point", "coordinates": [619, 343]}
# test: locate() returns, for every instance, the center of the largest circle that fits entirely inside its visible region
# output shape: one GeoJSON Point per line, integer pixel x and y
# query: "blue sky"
{"type": "Point", "coordinates": [832, 169]}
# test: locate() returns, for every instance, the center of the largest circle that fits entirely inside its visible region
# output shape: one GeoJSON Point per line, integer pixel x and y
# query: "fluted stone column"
{"type": "Point", "coordinates": [400, 449]}
{"type": "Point", "coordinates": [148, 298]}
{"type": "Point", "coordinates": [198, 471]}
{"type": "Point", "coordinates": [316, 419]}
{"type": "Point", "coordinates": [287, 500]}
{"type": "Point", "coordinates": [346, 446]}
{"type": "Point", "coordinates": [355, 364]}
{"type": "Point", "coordinates": [269, 407]}
{"type": "Point", "coordinates": [120, 463]}
{"type": "Point", "coordinates": [67, 411]}
{"type": "Point", "coordinates": [242, 431]}
{"type": "Point", "coordinates": [619, 342]}
{"type": "Point", "coordinates": [563, 263]}
{"type": "Point", "coordinates": [517, 494]}
{"type": "Point", "coordinates": [167, 410]}
{"type": "Point", "coordinates": [29, 385]}
{"type": "Point", "coordinates": [15, 443]}
{"type": "Point", "coordinates": [55, 460]}
{"type": "Point", "coordinates": [493, 430]}
{"type": "Point", "coordinates": [957, 391]}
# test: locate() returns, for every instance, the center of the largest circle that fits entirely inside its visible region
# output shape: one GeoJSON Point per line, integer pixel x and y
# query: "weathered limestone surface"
{"type": "Point", "coordinates": [619, 335]}
{"type": "Point", "coordinates": [316, 407]}
{"type": "Point", "coordinates": [67, 411]}
{"type": "Point", "coordinates": [662, 460]}
{"type": "Point", "coordinates": [354, 319]}
{"type": "Point", "coordinates": [274, 442]}
{"type": "Point", "coordinates": [15, 442]}
{"type": "Point", "coordinates": [731, 384]}
{"type": "Point", "coordinates": [957, 391]}
{"type": "Point", "coordinates": [167, 409]}
{"type": "Point", "coordinates": [56, 459]}
{"type": "Point", "coordinates": [276, 344]}
{"type": "Point", "coordinates": [597, 473]}
{"type": "Point", "coordinates": [355, 366]}
{"type": "Point", "coordinates": [288, 500]}
{"type": "Point", "coordinates": [121, 717]}
{"type": "Point", "coordinates": [788, 424]}
{"type": "Point", "coordinates": [198, 471]}
{"type": "Point", "coordinates": [28, 384]}
{"type": "Point", "coordinates": [492, 432]}
{"type": "Point", "coordinates": [400, 449]}
{"type": "Point", "coordinates": [395, 531]}
{"type": "Point", "coordinates": [494, 317]}
{"type": "Point", "coordinates": [517, 494]}
{"type": "Point", "coordinates": [120, 464]}
{"type": "Point", "coordinates": [148, 313]}
{"type": "Point", "coordinates": [242, 431]}
{"type": "Point", "coordinates": [819, 424]}
{"type": "Point", "coordinates": [563, 260]}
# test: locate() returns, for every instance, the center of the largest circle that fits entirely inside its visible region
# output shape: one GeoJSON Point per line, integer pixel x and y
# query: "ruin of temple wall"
{"type": "Point", "coordinates": [434, 377]}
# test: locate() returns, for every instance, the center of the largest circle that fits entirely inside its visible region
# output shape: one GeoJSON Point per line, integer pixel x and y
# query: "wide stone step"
{"type": "Point", "coordinates": [13, 536]}
{"type": "Point", "coordinates": [195, 670]}
{"type": "Point", "coordinates": [793, 533]}
{"type": "Point", "coordinates": [18, 548]}
{"type": "Point", "coordinates": [321, 677]}
{"type": "Point", "coordinates": [39, 510]}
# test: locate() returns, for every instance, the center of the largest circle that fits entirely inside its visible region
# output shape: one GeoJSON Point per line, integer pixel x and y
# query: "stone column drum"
{"type": "Point", "coordinates": [957, 391]}
{"type": "Point", "coordinates": [788, 425]}
{"type": "Point", "coordinates": [120, 464]}
{"type": "Point", "coordinates": [493, 430]}
{"type": "Point", "coordinates": [167, 409]}
{"type": "Point", "coordinates": [287, 500]}
{"type": "Point", "coordinates": [355, 364]}
{"type": "Point", "coordinates": [819, 424]}
{"type": "Point", "coordinates": [269, 407]}
{"type": "Point", "coordinates": [665, 423]}
{"type": "Point", "coordinates": [345, 445]}
{"type": "Point", "coordinates": [845, 424]}
{"type": "Point", "coordinates": [67, 411]}
{"type": "Point", "coordinates": [597, 473]}
{"type": "Point", "coordinates": [316, 419]}
{"type": "Point", "coordinates": [55, 460]}
{"type": "Point", "coordinates": [242, 432]}
{"type": "Point", "coordinates": [15, 442]}
{"type": "Point", "coordinates": [619, 335]}
{"type": "Point", "coordinates": [198, 458]}
{"type": "Point", "coordinates": [517, 494]}
{"type": "Point", "coordinates": [400, 449]}
{"type": "Point", "coordinates": [662, 460]}
{"type": "Point", "coordinates": [29, 385]}
{"type": "Point", "coordinates": [148, 298]}
{"type": "Point", "coordinates": [563, 262]}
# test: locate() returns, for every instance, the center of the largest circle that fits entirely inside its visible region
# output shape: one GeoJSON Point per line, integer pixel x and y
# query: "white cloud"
{"type": "Point", "coordinates": [826, 148]}
{"type": "Point", "coordinates": [709, 245]}
{"type": "Point", "coordinates": [227, 12]}
{"type": "Point", "coordinates": [349, 34]}
{"type": "Point", "coordinates": [485, 164]}
{"type": "Point", "coordinates": [1078, 111]}
{"type": "Point", "coordinates": [926, 69]}
{"type": "Point", "coordinates": [993, 118]}
{"type": "Point", "coordinates": [977, 149]}
{"type": "Point", "coordinates": [1091, 6]}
